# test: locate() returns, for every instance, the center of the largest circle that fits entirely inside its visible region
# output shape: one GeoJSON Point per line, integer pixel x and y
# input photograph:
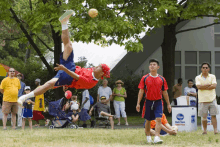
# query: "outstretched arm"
{"type": "Point", "coordinates": [69, 72]}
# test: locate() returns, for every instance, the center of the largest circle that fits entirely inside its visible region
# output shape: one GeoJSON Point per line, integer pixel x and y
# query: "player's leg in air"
{"type": "Point", "coordinates": [66, 59]}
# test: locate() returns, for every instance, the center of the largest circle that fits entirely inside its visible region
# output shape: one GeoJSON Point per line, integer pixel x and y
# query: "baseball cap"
{"type": "Point", "coordinates": [103, 97]}
{"type": "Point", "coordinates": [19, 74]}
{"type": "Point", "coordinates": [106, 71]}
{"type": "Point", "coordinates": [37, 80]}
{"type": "Point", "coordinates": [27, 88]}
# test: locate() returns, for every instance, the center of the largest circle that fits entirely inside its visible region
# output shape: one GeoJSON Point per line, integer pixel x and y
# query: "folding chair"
{"type": "Point", "coordinates": [100, 121]}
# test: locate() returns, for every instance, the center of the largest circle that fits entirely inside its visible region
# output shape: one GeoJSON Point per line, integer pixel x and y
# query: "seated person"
{"type": "Point", "coordinates": [191, 92]}
{"type": "Point", "coordinates": [165, 127]}
{"type": "Point", "coordinates": [103, 110]}
{"type": "Point", "coordinates": [75, 115]}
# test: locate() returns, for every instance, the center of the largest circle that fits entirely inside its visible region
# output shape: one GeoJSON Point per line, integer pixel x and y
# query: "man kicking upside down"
{"type": "Point", "coordinates": [68, 74]}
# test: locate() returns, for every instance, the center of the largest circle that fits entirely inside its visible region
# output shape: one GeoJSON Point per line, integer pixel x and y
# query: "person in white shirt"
{"type": "Point", "coordinates": [106, 91]}
{"type": "Point", "coordinates": [84, 116]}
{"type": "Point", "coordinates": [191, 92]}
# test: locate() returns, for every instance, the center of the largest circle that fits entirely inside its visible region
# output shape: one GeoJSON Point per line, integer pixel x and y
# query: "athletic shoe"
{"type": "Point", "coordinates": [126, 124]}
{"type": "Point", "coordinates": [157, 140]}
{"type": "Point", "coordinates": [149, 140]}
{"type": "Point", "coordinates": [5, 128]}
{"type": "Point", "coordinates": [65, 17]}
{"type": "Point", "coordinates": [118, 124]}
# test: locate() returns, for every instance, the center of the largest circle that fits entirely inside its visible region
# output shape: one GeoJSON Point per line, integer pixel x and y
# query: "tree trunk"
{"type": "Point", "coordinates": [168, 58]}
{"type": "Point", "coordinates": [57, 50]}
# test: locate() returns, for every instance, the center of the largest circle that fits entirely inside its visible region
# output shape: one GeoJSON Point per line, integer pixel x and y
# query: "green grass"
{"type": "Point", "coordinates": [132, 120]}
{"type": "Point", "coordinates": [39, 137]}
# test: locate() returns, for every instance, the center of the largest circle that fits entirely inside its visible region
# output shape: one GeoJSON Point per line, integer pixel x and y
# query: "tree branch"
{"type": "Point", "coordinates": [196, 28]}
{"type": "Point", "coordinates": [123, 6]}
{"type": "Point", "coordinates": [32, 42]}
{"type": "Point", "coordinates": [44, 44]}
{"type": "Point", "coordinates": [182, 2]}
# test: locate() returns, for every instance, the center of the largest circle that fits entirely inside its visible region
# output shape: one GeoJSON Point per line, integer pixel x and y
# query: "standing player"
{"type": "Point", "coordinates": [70, 75]}
{"type": "Point", "coordinates": [153, 85]}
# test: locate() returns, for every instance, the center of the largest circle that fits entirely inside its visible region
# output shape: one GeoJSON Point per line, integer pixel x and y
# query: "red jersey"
{"type": "Point", "coordinates": [86, 79]}
{"type": "Point", "coordinates": [153, 86]}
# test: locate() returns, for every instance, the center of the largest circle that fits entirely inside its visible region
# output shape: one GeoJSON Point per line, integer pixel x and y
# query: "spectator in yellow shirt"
{"type": "Point", "coordinates": [39, 107]}
{"type": "Point", "coordinates": [9, 88]}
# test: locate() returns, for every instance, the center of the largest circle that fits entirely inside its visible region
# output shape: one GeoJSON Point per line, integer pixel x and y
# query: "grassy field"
{"type": "Point", "coordinates": [100, 137]}
{"type": "Point", "coordinates": [39, 137]}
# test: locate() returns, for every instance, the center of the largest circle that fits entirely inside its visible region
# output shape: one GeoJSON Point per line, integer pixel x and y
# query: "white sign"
{"type": "Point", "coordinates": [185, 118]}
{"type": "Point", "coordinates": [209, 122]}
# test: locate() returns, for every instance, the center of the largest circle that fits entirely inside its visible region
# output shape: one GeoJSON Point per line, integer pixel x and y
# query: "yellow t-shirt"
{"type": "Point", "coordinates": [10, 87]}
{"type": "Point", "coordinates": [206, 95]}
{"type": "Point", "coordinates": [39, 103]}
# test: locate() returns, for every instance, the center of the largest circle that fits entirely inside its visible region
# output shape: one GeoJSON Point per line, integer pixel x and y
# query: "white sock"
{"type": "Point", "coordinates": [148, 137]}
{"type": "Point", "coordinates": [64, 26]}
{"type": "Point", "coordinates": [29, 95]}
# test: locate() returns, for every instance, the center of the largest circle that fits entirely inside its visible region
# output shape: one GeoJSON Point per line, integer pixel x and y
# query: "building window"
{"type": "Point", "coordinates": [190, 72]}
{"type": "Point", "coordinates": [217, 72]}
{"type": "Point", "coordinates": [177, 57]}
{"type": "Point", "coordinates": [190, 57]}
{"type": "Point", "coordinates": [177, 72]}
{"type": "Point", "coordinates": [217, 57]}
{"type": "Point", "coordinates": [204, 57]}
{"type": "Point", "coordinates": [217, 40]}
{"type": "Point", "coordinates": [217, 35]}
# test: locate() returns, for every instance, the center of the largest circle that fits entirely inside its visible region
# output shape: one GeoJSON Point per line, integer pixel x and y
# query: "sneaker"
{"type": "Point", "coordinates": [149, 140]}
{"type": "Point", "coordinates": [157, 140]}
{"type": "Point", "coordinates": [47, 122]}
{"type": "Point", "coordinates": [5, 128]}
{"type": "Point", "coordinates": [65, 17]}
{"type": "Point", "coordinates": [118, 124]}
{"type": "Point", "coordinates": [126, 124]}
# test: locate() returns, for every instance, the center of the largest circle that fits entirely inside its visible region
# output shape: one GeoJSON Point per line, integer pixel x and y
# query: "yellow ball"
{"type": "Point", "coordinates": [93, 12]}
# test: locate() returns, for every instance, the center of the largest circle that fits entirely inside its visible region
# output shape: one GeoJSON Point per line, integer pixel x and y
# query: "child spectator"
{"type": "Point", "coordinates": [27, 109]}
{"type": "Point", "coordinates": [75, 115]}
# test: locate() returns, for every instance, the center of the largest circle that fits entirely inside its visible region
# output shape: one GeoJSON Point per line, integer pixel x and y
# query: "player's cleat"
{"type": "Point", "coordinates": [157, 140]}
{"type": "Point", "coordinates": [65, 17]}
{"type": "Point", "coordinates": [149, 140]}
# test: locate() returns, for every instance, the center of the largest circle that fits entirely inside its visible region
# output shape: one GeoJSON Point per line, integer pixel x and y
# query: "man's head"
{"type": "Point", "coordinates": [180, 81]}
{"type": "Point", "coordinates": [27, 89]}
{"type": "Point", "coordinates": [37, 82]}
{"type": "Point", "coordinates": [19, 76]}
{"type": "Point", "coordinates": [103, 99]}
{"type": "Point", "coordinates": [153, 65]}
{"type": "Point", "coordinates": [74, 97]}
{"type": "Point", "coordinates": [11, 72]}
{"type": "Point", "coordinates": [101, 71]}
{"type": "Point", "coordinates": [205, 67]}
{"type": "Point", "coordinates": [190, 83]}
{"type": "Point", "coordinates": [105, 82]}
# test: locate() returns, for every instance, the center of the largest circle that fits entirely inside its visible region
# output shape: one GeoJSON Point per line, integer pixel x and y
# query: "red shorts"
{"type": "Point", "coordinates": [37, 115]}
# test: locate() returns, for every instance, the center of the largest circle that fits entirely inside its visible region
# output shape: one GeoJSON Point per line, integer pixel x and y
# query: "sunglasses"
{"type": "Point", "coordinates": [11, 71]}
{"type": "Point", "coordinates": [204, 67]}
{"type": "Point", "coordinates": [27, 89]}
{"type": "Point", "coordinates": [119, 83]}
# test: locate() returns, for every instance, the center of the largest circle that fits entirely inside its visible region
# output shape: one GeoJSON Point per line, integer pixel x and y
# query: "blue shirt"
{"type": "Point", "coordinates": [21, 91]}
